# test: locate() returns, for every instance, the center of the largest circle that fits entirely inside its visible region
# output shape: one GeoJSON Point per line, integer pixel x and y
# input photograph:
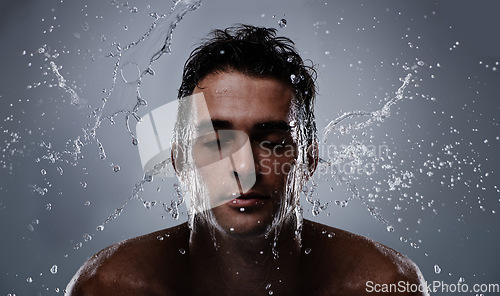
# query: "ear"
{"type": "Point", "coordinates": [177, 158]}
{"type": "Point", "coordinates": [312, 157]}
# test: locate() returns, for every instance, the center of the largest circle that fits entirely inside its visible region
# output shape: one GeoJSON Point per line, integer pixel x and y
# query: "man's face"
{"type": "Point", "coordinates": [243, 149]}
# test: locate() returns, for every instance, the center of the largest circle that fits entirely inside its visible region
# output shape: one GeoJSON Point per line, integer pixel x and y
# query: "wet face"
{"type": "Point", "coordinates": [243, 149]}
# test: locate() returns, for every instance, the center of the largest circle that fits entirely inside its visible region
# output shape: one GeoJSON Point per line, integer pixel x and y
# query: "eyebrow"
{"type": "Point", "coordinates": [275, 125]}
{"type": "Point", "coordinates": [209, 125]}
{"type": "Point", "coordinates": [215, 124]}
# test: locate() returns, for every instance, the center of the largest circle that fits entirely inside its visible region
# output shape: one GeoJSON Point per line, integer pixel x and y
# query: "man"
{"type": "Point", "coordinates": [244, 146]}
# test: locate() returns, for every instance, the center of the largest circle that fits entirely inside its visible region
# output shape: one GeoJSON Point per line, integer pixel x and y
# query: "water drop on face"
{"type": "Point", "coordinates": [53, 269]}
{"type": "Point", "coordinates": [282, 23]}
{"type": "Point", "coordinates": [437, 269]}
{"type": "Point", "coordinates": [242, 209]}
{"type": "Point", "coordinates": [231, 229]}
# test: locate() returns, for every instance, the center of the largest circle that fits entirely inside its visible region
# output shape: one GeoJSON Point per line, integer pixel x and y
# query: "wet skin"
{"type": "Point", "coordinates": [325, 261]}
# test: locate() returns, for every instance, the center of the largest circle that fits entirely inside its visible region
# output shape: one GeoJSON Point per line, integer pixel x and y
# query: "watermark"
{"type": "Point", "coordinates": [432, 287]}
{"type": "Point", "coordinates": [155, 131]}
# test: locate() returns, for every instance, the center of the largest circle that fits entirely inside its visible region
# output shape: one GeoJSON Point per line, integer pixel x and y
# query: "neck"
{"type": "Point", "coordinates": [243, 265]}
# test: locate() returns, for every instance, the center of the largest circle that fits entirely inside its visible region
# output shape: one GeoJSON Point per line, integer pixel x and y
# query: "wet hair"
{"type": "Point", "coordinates": [255, 51]}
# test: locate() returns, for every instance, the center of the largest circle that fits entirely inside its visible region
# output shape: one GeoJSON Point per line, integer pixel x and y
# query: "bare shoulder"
{"type": "Point", "coordinates": [353, 264]}
{"type": "Point", "coordinates": [153, 264]}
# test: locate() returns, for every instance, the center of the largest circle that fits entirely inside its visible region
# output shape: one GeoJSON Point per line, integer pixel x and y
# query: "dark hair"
{"type": "Point", "coordinates": [254, 51]}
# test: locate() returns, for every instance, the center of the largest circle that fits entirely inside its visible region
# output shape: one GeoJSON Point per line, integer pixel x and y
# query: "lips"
{"type": "Point", "coordinates": [248, 200]}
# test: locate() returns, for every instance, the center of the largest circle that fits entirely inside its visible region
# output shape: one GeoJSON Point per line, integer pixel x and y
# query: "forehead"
{"type": "Point", "coordinates": [243, 99]}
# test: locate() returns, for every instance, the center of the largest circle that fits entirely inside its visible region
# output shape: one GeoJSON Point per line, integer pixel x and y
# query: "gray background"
{"type": "Point", "coordinates": [360, 49]}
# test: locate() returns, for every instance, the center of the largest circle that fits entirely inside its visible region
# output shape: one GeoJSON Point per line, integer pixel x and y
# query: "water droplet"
{"type": "Point", "coordinates": [116, 168]}
{"type": "Point", "coordinates": [48, 207]}
{"type": "Point", "coordinates": [77, 246]}
{"type": "Point", "coordinates": [271, 292]}
{"type": "Point", "coordinates": [87, 237]}
{"type": "Point", "coordinates": [60, 170]}
{"type": "Point", "coordinates": [135, 142]}
{"type": "Point", "coordinates": [53, 269]}
{"type": "Point", "coordinates": [282, 23]}
{"type": "Point", "coordinates": [437, 269]}
{"type": "Point", "coordinates": [242, 209]}
{"type": "Point", "coordinates": [84, 185]}
{"type": "Point", "coordinates": [231, 229]}
{"type": "Point", "coordinates": [182, 251]}
{"type": "Point", "coordinates": [148, 178]}
{"type": "Point", "coordinates": [100, 227]}
{"type": "Point", "coordinates": [307, 251]}
{"type": "Point", "coordinates": [43, 172]}
{"type": "Point", "coordinates": [29, 280]}
{"type": "Point", "coordinates": [390, 228]}
{"type": "Point", "coordinates": [87, 203]}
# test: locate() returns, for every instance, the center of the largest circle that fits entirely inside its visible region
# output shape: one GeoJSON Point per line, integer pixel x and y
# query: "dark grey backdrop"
{"type": "Point", "coordinates": [444, 134]}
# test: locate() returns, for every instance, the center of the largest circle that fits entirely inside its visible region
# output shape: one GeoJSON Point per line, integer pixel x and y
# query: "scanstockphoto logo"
{"type": "Point", "coordinates": [156, 129]}
{"type": "Point", "coordinates": [356, 158]}
{"type": "Point", "coordinates": [433, 287]}
{"type": "Point", "coordinates": [154, 133]}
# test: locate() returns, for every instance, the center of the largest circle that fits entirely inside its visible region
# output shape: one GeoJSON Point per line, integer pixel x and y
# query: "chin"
{"type": "Point", "coordinates": [242, 224]}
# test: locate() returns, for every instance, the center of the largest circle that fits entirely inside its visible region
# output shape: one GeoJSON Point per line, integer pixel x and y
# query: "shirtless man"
{"type": "Point", "coordinates": [244, 145]}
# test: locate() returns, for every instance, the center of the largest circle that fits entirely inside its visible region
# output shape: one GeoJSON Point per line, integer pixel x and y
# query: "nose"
{"type": "Point", "coordinates": [244, 166]}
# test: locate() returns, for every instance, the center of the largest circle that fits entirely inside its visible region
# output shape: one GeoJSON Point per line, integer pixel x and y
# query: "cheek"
{"type": "Point", "coordinates": [276, 168]}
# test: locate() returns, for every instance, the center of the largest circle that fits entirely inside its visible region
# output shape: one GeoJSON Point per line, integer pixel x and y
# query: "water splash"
{"type": "Point", "coordinates": [374, 116]}
{"type": "Point", "coordinates": [356, 151]}
{"type": "Point", "coordinates": [75, 100]}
